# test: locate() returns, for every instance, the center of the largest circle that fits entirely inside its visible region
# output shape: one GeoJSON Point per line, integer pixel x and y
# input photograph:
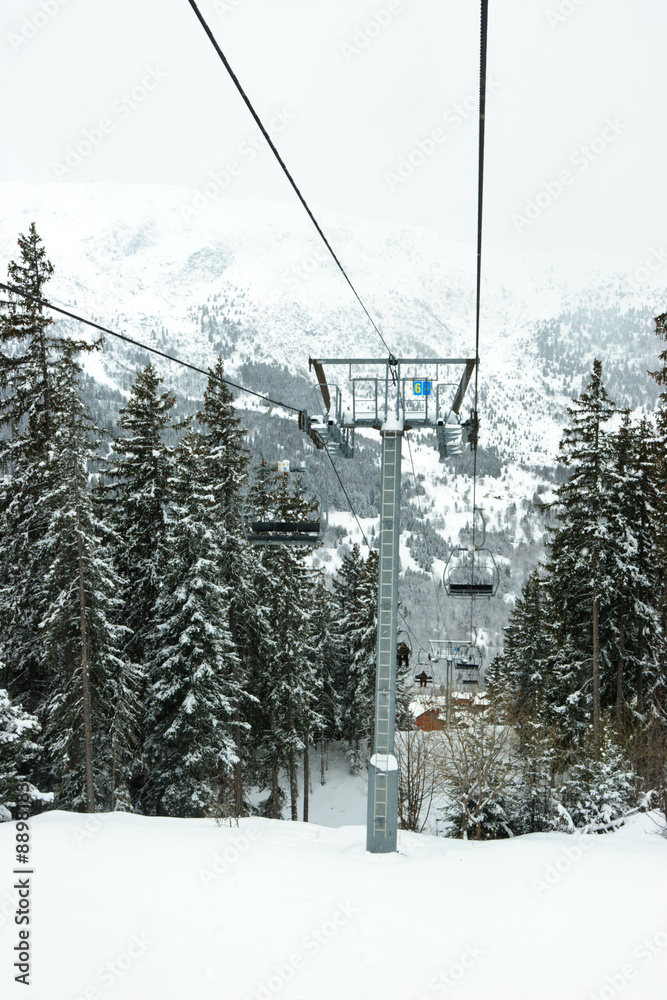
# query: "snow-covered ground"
{"type": "Point", "coordinates": [126, 907]}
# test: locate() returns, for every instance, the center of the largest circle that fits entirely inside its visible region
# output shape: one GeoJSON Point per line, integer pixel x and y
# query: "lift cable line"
{"type": "Point", "coordinates": [201, 371]}
{"type": "Point", "coordinates": [145, 347]}
{"type": "Point", "coordinates": [283, 166]}
{"type": "Point", "coordinates": [480, 205]}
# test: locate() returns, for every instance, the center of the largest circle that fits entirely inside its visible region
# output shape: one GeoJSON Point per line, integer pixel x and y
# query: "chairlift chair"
{"type": "Point", "coordinates": [403, 651]}
{"type": "Point", "coordinates": [261, 528]}
{"type": "Point", "coordinates": [471, 571]}
{"type": "Point", "coordinates": [424, 679]}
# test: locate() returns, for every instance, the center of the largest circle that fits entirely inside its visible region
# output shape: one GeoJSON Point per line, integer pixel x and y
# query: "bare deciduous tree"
{"type": "Point", "coordinates": [417, 755]}
{"type": "Point", "coordinates": [477, 768]}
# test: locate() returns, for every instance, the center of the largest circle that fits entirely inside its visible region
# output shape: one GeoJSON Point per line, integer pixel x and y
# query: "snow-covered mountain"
{"type": "Point", "coordinates": [147, 261]}
{"type": "Point", "coordinates": [197, 276]}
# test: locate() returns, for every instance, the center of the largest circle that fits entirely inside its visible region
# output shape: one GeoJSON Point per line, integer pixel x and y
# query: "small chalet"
{"type": "Point", "coordinates": [430, 720]}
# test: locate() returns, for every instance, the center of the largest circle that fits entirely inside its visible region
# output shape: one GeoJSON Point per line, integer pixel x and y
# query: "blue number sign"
{"type": "Point", "coordinates": [421, 387]}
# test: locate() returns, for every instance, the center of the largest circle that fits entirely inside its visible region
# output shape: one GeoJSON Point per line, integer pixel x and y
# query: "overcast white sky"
{"type": "Point", "coordinates": [577, 86]}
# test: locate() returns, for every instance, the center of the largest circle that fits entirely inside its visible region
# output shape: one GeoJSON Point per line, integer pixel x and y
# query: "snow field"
{"type": "Point", "coordinates": [132, 908]}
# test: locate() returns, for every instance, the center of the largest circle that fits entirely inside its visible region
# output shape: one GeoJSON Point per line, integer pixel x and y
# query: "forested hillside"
{"type": "Point", "coordinates": [154, 660]}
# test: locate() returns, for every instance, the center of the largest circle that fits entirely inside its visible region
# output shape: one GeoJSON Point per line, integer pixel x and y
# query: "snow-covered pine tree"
{"type": "Point", "coordinates": [631, 497]}
{"type": "Point", "coordinates": [600, 788]}
{"type": "Point", "coordinates": [328, 668]}
{"type": "Point", "coordinates": [224, 459]}
{"type": "Point", "coordinates": [517, 678]}
{"type": "Point", "coordinates": [357, 645]}
{"type": "Point", "coordinates": [660, 459]}
{"type": "Point", "coordinates": [140, 465]}
{"type": "Point", "coordinates": [657, 735]}
{"type": "Point", "coordinates": [18, 731]}
{"type": "Point", "coordinates": [284, 668]}
{"type": "Point", "coordinates": [534, 805]}
{"type": "Point", "coordinates": [79, 634]}
{"type": "Point", "coordinates": [579, 584]}
{"type": "Point", "coordinates": [193, 668]}
{"type": "Point", "coordinates": [29, 351]}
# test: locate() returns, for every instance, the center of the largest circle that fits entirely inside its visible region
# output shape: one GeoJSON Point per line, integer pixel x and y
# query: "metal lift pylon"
{"type": "Point", "coordinates": [382, 818]}
{"type": "Point", "coordinates": [373, 406]}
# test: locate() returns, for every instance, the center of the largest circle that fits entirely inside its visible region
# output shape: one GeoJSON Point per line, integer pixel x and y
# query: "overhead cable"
{"type": "Point", "coordinates": [144, 347]}
{"type": "Point", "coordinates": [480, 205]}
{"type": "Point", "coordinates": [283, 165]}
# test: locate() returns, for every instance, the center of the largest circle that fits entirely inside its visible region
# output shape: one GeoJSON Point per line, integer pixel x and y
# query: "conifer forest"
{"type": "Point", "coordinates": [333, 500]}
{"type": "Point", "coordinates": [154, 661]}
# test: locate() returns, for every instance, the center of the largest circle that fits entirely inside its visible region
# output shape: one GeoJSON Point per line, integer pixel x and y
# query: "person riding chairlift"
{"type": "Point", "coordinates": [422, 678]}
{"type": "Point", "coordinates": [403, 654]}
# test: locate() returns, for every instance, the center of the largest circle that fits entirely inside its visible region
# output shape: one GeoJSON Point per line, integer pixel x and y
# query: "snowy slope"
{"type": "Point", "coordinates": [136, 908]}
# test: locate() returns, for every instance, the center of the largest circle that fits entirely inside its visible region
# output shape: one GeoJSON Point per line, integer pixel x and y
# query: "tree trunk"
{"type": "Point", "coordinates": [291, 763]}
{"type": "Point", "coordinates": [306, 775]}
{"type": "Point", "coordinates": [640, 676]}
{"type": "Point", "coordinates": [275, 787]}
{"type": "Point", "coordinates": [275, 794]}
{"type": "Point", "coordinates": [322, 761]}
{"type": "Point", "coordinates": [293, 787]}
{"type": "Point", "coordinates": [596, 670]}
{"type": "Point", "coordinates": [619, 673]}
{"type": "Point", "coordinates": [47, 395]}
{"type": "Point", "coordinates": [238, 768]}
{"type": "Point", "coordinates": [87, 727]}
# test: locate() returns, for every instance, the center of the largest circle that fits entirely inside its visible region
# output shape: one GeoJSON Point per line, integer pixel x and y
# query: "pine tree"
{"type": "Point", "coordinates": [631, 568]}
{"type": "Point", "coordinates": [660, 462]}
{"type": "Point", "coordinates": [579, 545]}
{"type": "Point", "coordinates": [352, 589]}
{"type": "Point", "coordinates": [656, 736]}
{"type": "Point", "coordinates": [224, 459]}
{"type": "Point", "coordinates": [284, 674]}
{"type": "Point", "coordinates": [600, 787]}
{"type": "Point", "coordinates": [18, 730]}
{"type": "Point", "coordinates": [328, 668]}
{"type": "Point", "coordinates": [79, 637]}
{"type": "Point", "coordinates": [140, 466]}
{"type": "Point", "coordinates": [29, 353]}
{"type": "Point", "coordinates": [516, 679]}
{"type": "Point", "coordinates": [192, 668]}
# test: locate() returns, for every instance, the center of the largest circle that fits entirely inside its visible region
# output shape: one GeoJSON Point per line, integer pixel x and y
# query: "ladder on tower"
{"type": "Point", "coordinates": [384, 759]}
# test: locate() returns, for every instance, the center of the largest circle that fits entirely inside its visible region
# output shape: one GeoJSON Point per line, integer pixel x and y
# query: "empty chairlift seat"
{"type": "Point", "coordinates": [264, 514]}
{"type": "Point", "coordinates": [471, 573]}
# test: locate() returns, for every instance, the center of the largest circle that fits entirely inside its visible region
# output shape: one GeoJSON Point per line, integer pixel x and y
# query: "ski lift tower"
{"type": "Point", "coordinates": [391, 395]}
